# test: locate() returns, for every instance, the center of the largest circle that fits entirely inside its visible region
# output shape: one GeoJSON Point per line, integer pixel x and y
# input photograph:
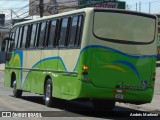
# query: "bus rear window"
{"type": "Point", "coordinates": [126, 27]}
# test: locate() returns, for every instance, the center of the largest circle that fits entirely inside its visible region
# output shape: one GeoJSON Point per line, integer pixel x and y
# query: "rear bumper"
{"type": "Point", "coordinates": [88, 91]}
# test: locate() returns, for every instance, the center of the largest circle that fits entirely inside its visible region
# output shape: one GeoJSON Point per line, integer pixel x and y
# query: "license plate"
{"type": "Point", "coordinates": [119, 96]}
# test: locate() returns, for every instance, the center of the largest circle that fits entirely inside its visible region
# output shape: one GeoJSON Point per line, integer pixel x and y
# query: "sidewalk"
{"type": "Point", "coordinates": [157, 82]}
{"type": "Point", "coordinates": [153, 107]}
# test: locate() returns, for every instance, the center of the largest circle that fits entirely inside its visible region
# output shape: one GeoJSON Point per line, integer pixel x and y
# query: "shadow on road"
{"type": "Point", "coordinates": [83, 109]}
{"type": "Point", "coordinates": [35, 99]}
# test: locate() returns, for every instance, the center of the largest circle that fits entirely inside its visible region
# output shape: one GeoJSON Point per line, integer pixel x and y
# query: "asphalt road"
{"type": "Point", "coordinates": [66, 109]}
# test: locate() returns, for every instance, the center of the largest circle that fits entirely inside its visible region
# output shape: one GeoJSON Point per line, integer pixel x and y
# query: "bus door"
{"type": "Point", "coordinates": [33, 61]}
{"type": "Point", "coordinates": [23, 57]}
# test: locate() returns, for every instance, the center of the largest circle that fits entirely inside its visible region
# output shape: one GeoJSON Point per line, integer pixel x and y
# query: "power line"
{"type": "Point", "coordinates": [11, 4]}
{"type": "Point", "coordinates": [15, 4]}
{"type": "Point", "coordinates": [1, 5]}
{"type": "Point", "coordinates": [26, 6]}
{"type": "Point", "coordinates": [63, 7]}
{"type": "Point", "coordinates": [18, 16]}
{"type": "Point", "coordinates": [22, 8]}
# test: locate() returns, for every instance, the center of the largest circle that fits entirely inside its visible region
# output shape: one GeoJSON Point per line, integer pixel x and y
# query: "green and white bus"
{"type": "Point", "coordinates": [102, 55]}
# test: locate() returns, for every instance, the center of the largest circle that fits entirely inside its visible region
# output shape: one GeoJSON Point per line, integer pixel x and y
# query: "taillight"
{"type": "Point", "coordinates": [85, 67]}
{"type": "Point", "coordinates": [85, 73]}
{"type": "Point", "coordinates": [119, 91]}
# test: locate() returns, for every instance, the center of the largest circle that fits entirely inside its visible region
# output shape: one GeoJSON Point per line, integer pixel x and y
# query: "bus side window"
{"type": "Point", "coordinates": [23, 44]}
{"type": "Point", "coordinates": [13, 33]}
{"type": "Point", "coordinates": [33, 35]}
{"type": "Point", "coordinates": [79, 30]}
{"type": "Point", "coordinates": [12, 36]}
{"type": "Point", "coordinates": [37, 35]}
{"type": "Point", "coordinates": [42, 34]}
{"type": "Point", "coordinates": [9, 42]}
{"type": "Point", "coordinates": [63, 32]}
{"type": "Point", "coordinates": [72, 36]}
{"type": "Point", "coordinates": [20, 37]}
{"type": "Point", "coordinates": [46, 37]}
{"type": "Point", "coordinates": [52, 33]}
{"type": "Point", "coordinates": [16, 37]}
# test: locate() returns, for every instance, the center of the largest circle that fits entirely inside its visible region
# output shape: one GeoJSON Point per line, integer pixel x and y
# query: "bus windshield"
{"type": "Point", "coordinates": [126, 27]}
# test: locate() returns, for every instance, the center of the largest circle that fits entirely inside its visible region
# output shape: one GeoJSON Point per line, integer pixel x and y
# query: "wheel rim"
{"type": "Point", "coordinates": [14, 87]}
{"type": "Point", "coordinates": [48, 92]}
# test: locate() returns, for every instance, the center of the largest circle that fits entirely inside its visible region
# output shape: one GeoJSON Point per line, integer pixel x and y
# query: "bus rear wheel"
{"type": "Point", "coordinates": [103, 105]}
{"type": "Point", "coordinates": [16, 93]}
{"type": "Point", "coordinates": [48, 99]}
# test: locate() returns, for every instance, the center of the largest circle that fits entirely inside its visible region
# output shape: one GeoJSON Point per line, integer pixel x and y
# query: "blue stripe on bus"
{"type": "Point", "coordinates": [117, 51]}
{"type": "Point", "coordinates": [114, 50]}
{"type": "Point", "coordinates": [130, 65]}
{"type": "Point", "coordinates": [49, 58]}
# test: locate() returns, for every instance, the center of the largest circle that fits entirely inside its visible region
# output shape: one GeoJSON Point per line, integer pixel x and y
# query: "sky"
{"type": "Point", "coordinates": [12, 4]}
{"type": "Point", "coordinates": [154, 5]}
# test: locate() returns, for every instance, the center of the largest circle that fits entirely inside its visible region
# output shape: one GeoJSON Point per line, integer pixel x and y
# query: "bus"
{"type": "Point", "coordinates": [101, 55]}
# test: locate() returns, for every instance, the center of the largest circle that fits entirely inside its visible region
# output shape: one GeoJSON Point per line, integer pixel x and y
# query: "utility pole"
{"type": "Point", "coordinates": [41, 7]}
{"type": "Point", "coordinates": [136, 6]}
{"type": "Point", "coordinates": [149, 7]}
{"type": "Point", "coordinates": [139, 6]}
{"type": "Point", "coordinates": [127, 6]}
{"type": "Point", "coordinates": [12, 12]}
{"type": "Point", "coordinates": [11, 16]}
{"type": "Point", "coordinates": [78, 4]}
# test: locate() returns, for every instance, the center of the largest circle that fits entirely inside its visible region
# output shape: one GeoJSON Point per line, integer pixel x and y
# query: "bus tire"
{"type": "Point", "coordinates": [103, 105]}
{"type": "Point", "coordinates": [48, 99]}
{"type": "Point", "coordinates": [16, 93]}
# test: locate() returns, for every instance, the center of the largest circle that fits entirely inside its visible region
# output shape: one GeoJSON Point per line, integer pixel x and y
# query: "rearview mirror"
{"type": "Point", "coordinates": [3, 46]}
{"type": "Point", "coordinates": [2, 57]}
{"type": "Point", "coordinates": [5, 55]}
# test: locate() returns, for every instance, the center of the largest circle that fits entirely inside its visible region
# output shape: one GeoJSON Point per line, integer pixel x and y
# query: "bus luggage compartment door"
{"type": "Point", "coordinates": [115, 70]}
